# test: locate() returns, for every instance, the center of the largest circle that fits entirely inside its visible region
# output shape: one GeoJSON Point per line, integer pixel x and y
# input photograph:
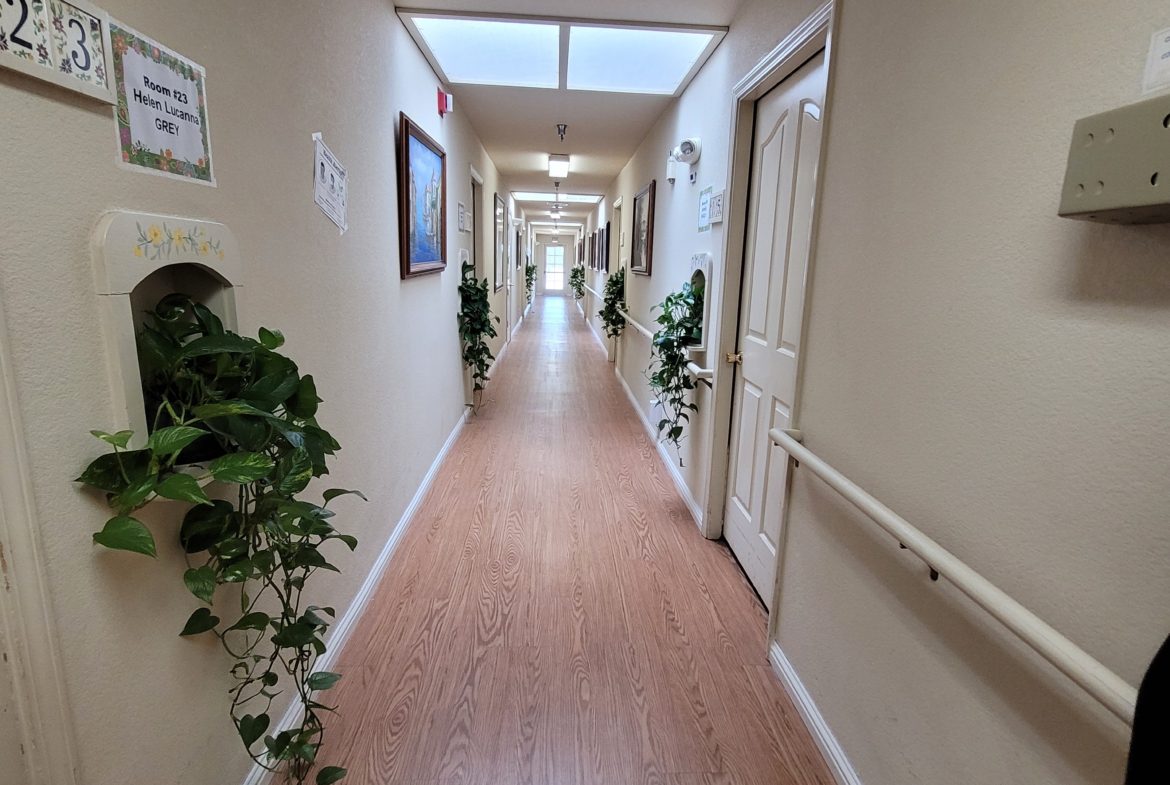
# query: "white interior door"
{"type": "Point", "coordinates": [786, 150]}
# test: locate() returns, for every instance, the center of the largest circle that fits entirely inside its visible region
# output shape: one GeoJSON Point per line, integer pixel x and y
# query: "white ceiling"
{"type": "Point", "coordinates": [518, 125]}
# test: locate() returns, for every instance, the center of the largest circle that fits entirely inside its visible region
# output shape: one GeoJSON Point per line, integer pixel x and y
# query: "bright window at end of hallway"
{"type": "Point", "coordinates": [554, 268]}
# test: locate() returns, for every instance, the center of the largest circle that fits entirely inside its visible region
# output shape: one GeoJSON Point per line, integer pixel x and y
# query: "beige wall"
{"type": "Point", "coordinates": [992, 372]}
{"type": "Point", "coordinates": [12, 763]}
{"type": "Point", "coordinates": [385, 352]}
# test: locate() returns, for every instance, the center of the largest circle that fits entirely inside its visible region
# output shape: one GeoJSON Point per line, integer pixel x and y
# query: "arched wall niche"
{"type": "Point", "coordinates": [139, 258]}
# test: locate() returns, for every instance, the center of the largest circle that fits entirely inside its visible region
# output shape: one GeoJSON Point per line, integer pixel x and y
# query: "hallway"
{"type": "Point", "coordinates": [553, 616]}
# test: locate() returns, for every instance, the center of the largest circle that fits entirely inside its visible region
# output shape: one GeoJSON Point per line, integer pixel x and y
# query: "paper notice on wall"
{"type": "Point", "coordinates": [1158, 62]}
{"type": "Point", "coordinates": [330, 184]}
{"type": "Point", "coordinates": [162, 108]}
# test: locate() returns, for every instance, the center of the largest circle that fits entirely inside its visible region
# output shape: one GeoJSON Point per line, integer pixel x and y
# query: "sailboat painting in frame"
{"type": "Point", "coordinates": [422, 201]}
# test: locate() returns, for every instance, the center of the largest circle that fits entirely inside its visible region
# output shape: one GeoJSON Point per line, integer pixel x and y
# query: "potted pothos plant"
{"type": "Point", "coordinates": [476, 324]}
{"type": "Point", "coordinates": [226, 408]}
{"type": "Point", "coordinates": [577, 281]}
{"type": "Point", "coordinates": [529, 281]}
{"type": "Point", "coordinates": [613, 299]}
{"type": "Point", "coordinates": [680, 325]}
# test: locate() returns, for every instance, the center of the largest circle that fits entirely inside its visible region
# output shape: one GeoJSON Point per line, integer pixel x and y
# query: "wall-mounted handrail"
{"type": "Point", "coordinates": [593, 291]}
{"type": "Point", "coordinates": [635, 324]}
{"type": "Point", "coordinates": [1113, 692]}
{"type": "Point", "coordinates": [700, 373]}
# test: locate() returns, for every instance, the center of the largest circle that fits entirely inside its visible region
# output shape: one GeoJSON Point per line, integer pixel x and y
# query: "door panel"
{"type": "Point", "coordinates": [785, 155]}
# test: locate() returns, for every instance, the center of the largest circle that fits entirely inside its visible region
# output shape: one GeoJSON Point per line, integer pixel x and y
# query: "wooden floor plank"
{"type": "Point", "coordinates": [554, 617]}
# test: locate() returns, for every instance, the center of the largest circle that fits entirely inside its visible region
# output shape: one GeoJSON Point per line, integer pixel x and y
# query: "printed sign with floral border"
{"type": "Point", "coordinates": [133, 152]}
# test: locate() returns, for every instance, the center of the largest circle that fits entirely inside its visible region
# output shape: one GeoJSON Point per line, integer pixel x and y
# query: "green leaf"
{"type": "Point", "coordinates": [105, 472]}
{"type": "Point", "coordinates": [219, 344]}
{"type": "Point", "coordinates": [330, 775]}
{"type": "Point", "coordinates": [304, 401]}
{"type": "Point", "coordinates": [229, 549]}
{"type": "Point", "coordinates": [277, 746]}
{"type": "Point", "coordinates": [333, 493]}
{"type": "Point", "coordinates": [183, 488]}
{"type": "Point", "coordinates": [271, 339]}
{"type": "Point", "coordinates": [253, 621]}
{"type": "Point", "coordinates": [200, 621]}
{"type": "Point", "coordinates": [119, 439]}
{"type": "Point", "coordinates": [124, 533]}
{"type": "Point", "coordinates": [238, 572]}
{"type": "Point", "coordinates": [208, 411]}
{"type": "Point", "coordinates": [270, 391]}
{"type": "Point", "coordinates": [135, 494]}
{"type": "Point", "coordinates": [349, 540]}
{"type": "Point", "coordinates": [270, 679]}
{"type": "Point", "coordinates": [204, 526]}
{"type": "Point", "coordinates": [323, 680]}
{"type": "Point", "coordinates": [168, 441]}
{"type": "Point", "coordinates": [201, 582]}
{"type": "Point", "coordinates": [295, 636]}
{"type": "Point", "coordinates": [294, 472]}
{"type": "Point", "coordinates": [252, 728]}
{"type": "Point", "coordinates": [241, 467]}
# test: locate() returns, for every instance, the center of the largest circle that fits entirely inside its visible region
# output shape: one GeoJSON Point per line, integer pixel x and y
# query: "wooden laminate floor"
{"type": "Point", "coordinates": [553, 616]}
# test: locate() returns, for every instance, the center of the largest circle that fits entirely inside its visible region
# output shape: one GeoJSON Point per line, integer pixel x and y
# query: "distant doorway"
{"type": "Point", "coordinates": [554, 268]}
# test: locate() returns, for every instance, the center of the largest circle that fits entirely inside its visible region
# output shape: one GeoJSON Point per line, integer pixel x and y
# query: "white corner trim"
{"type": "Point", "coordinates": [679, 483]}
{"type": "Point", "coordinates": [342, 629]}
{"type": "Point", "coordinates": [842, 770]}
{"type": "Point", "coordinates": [26, 619]}
{"type": "Point", "coordinates": [812, 31]}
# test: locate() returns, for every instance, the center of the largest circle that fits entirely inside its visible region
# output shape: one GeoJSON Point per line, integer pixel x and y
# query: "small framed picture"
{"type": "Point", "coordinates": [422, 201]}
{"type": "Point", "coordinates": [642, 254]}
{"type": "Point", "coordinates": [462, 217]}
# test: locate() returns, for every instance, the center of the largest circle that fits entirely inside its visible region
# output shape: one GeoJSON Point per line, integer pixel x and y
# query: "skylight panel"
{"type": "Point", "coordinates": [534, 196]}
{"type": "Point", "coordinates": [633, 60]}
{"type": "Point", "coordinates": [488, 52]}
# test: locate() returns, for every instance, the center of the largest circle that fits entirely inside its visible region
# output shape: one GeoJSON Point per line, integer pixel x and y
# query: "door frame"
{"type": "Point", "coordinates": [810, 36]}
{"type": "Point", "coordinates": [42, 709]}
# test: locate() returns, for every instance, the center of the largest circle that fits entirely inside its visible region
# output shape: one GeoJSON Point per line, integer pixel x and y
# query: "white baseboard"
{"type": "Point", "coordinates": [672, 466]}
{"type": "Point", "coordinates": [342, 629]}
{"type": "Point", "coordinates": [842, 770]}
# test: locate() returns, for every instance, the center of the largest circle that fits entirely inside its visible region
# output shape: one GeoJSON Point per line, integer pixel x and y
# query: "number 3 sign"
{"type": "Point", "coordinates": [63, 42]}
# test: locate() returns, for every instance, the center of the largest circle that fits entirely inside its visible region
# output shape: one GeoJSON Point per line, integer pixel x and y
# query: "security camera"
{"type": "Point", "coordinates": [688, 151]}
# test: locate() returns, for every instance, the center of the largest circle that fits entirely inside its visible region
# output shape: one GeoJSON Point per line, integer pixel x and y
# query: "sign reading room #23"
{"type": "Point", "coordinates": [162, 109]}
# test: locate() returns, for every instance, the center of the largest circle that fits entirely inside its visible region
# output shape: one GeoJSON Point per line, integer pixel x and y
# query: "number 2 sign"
{"type": "Point", "coordinates": [66, 42]}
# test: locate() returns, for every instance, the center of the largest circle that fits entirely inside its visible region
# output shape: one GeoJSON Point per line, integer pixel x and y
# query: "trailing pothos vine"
{"type": "Point", "coordinates": [577, 281]}
{"type": "Point", "coordinates": [529, 280]}
{"type": "Point", "coordinates": [232, 409]}
{"type": "Point", "coordinates": [613, 298]}
{"type": "Point", "coordinates": [680, 324]}
{"type": "Point", "coordinates": [475, 324]}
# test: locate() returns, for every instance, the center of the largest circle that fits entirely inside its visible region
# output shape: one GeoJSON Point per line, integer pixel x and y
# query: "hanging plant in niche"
{"type": "Point", "coordinates": [476, 324]}
{"type": "Point", "coordinates": [680, 325]}
{"type": "Point", "coordinates": [231, 409]}
{"type": "Point", "coordinates": [529, 280]}
{"type": "Point", "coordinates": [577, 281]}
{"type": "Point", "coordinates": [614, 297]}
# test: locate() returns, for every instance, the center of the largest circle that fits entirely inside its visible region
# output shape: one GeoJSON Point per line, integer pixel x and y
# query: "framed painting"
{"type": "Point", "coordinates": [608, 242]}
{"type": "Point", "coordinates": [500, 223]}
{"type": "Point", "coordinates": [519, 249]}
{"type": "Point", "coordinates": [422, 201]}
{"type": "Point", "coordinates": [642, 252]}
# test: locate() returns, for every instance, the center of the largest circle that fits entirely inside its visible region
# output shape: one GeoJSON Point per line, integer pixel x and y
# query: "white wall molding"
{"type": "Point", "coordinates": [679, 483]}
{"type": "Point", "coordinates": [842, 770]}
{"type": "Point", "coordinates": [26, 620]}
{"type": "Point", "coordinates": [342, 629]}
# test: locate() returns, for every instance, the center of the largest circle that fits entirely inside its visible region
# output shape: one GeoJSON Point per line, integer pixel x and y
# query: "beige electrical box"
{"type": "Point", "coordinates": [1119, 166]}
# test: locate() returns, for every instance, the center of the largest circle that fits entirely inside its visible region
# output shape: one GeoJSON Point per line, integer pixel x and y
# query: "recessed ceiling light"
{"type": "Point", "coordinates": [633, 60]}
{"type": "Point", "coordinates": [492, 52]}
{"type": "Point", "coordinates": [539, 196]}
{"type": "Point", "coordinates": [558, 166]}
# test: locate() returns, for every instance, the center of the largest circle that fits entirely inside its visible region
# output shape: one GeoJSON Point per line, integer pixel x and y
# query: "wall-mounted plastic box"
{"type": "Point", "coordinates": [1119, 166]}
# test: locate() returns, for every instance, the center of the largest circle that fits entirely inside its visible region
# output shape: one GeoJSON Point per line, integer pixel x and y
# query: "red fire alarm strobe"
{"type": "Point", "coordinates": [446, 102]}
